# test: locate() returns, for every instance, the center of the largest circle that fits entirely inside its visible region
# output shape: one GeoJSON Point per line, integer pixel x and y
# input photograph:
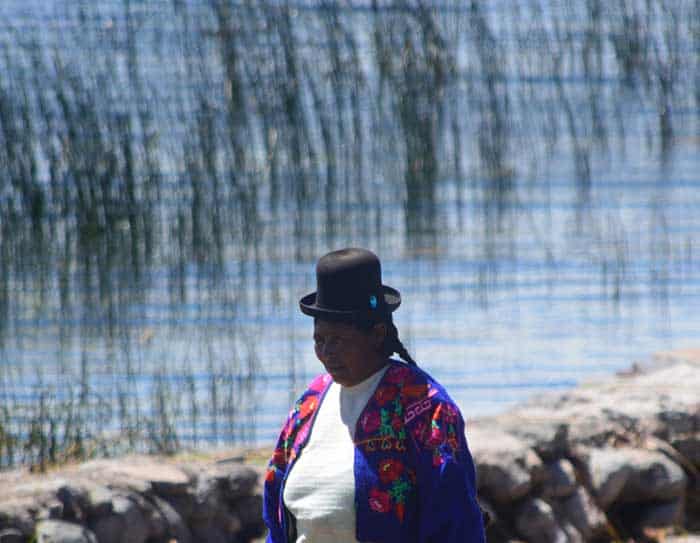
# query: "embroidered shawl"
{"type": "Point", "coordinates": [414, 475]}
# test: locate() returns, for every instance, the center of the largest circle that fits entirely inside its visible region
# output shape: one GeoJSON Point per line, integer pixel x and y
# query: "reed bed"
{"type": "Point", "coordinates": [142, 143]}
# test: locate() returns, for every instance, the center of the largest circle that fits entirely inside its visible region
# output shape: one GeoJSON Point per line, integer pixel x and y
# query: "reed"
{"type": "Point", "coordinates": [173, 144]}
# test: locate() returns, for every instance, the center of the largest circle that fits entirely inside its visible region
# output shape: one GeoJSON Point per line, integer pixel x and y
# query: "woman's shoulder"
{"type": "Point", "coordinates": [415, 382]}
{"type": "Point", "coordinates": [419, 392]}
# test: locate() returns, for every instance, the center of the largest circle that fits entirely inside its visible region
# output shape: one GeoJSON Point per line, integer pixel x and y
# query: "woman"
{"type": "Point", "coordinates": [374, 450]}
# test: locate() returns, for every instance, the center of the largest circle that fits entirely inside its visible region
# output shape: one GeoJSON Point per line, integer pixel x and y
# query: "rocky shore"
{"type": "Point", "coordinates": [608, 461]}
{"type": "Point", "coordinates": [615, 460]}
{"type": "Point", "coordinates": [134, 500]}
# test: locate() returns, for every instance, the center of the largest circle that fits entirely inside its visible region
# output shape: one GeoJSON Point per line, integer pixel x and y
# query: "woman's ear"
{"type": "Point", "coordinates": [379, 332]}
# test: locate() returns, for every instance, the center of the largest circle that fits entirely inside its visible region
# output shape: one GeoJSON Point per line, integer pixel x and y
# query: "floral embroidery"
{"type": "Point", "coordinates": [399, 375]}
{"type": "Point", "coordinates": [400, 480]}
{"type": "Point", "coordinates": [296, 429]}
{"type": "Point", "coordinates": [389, 470]}
{"type": "Point", "coordinates": [307, 407]}
{"type": "Point", "coordinates": [370, 421]}
{"type": "Point", "coordinates": [405, 411]}
{"type": "Point", "coordinates": [379, 501]}
{"type": "Point", "coordinates": [385, 394]}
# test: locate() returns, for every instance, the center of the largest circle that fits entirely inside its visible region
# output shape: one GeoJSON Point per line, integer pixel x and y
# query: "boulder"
{"type": "Point", "coordinates": [507, 468]}
{"type": "Point", "coordinates": [240, 480]}
{"type": "Point", "coordinates": [99, 501]}
{"type": "Point", "coordinates": [248, 510]}
{"type": "Point", "coordinates": [535, 521]}
{"type": "Point", "coordinates": [582, 513]}
{"type": "Point", "coordinates": [560, 479]}
{"type": "Point", "coordinates": [75, 502]}
{"type": "Point", "coordinates": [59, 531]}
{"type": "Point", "coordinates": [126, 523]}
{"type": "Point", "coordinates": [165, 520]}
{"type": "Point", "coordinates": [689, 447]}
{"type": "Point", "coordinates": [19, 514]}
{"type": "Point", "coordinates": [634, 475]}
{"type": "Point", "coordinates": [12, 535]}
{"type": "Point", "coordinates": [164, 479]}
{"type": "Point", "coordinates": [641, 519]}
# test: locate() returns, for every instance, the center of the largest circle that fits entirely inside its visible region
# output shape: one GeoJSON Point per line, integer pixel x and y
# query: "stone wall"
{"type": "Point", "coordinates": [609, 461]}
{"type": "Point", "coordinates": [133, 500]}
{"type": "Point", "coordinates": [613, 460]}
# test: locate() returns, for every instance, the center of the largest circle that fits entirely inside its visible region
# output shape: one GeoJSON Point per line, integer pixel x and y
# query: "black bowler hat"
{"type": "Point", "coordinates": [349, 287]}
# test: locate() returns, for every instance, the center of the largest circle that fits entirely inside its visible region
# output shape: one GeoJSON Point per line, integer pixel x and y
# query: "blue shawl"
{"type": "Point", "coordinates": [414, 475]}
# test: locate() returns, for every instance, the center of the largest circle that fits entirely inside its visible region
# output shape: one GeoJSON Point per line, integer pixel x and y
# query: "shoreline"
{"type": "Point", "coordinates": [613, 459]}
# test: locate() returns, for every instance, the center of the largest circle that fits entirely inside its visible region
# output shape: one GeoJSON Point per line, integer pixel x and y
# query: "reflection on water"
{"type": "Point", "coordinates": [169, 172]}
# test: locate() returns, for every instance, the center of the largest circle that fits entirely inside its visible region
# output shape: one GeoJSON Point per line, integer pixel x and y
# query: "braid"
{"type": "Point", "coordinates": [393, 344]}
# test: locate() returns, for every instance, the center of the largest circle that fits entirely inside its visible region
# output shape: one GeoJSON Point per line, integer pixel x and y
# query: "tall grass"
{"type": "Point", "coordinates": [182, 137]}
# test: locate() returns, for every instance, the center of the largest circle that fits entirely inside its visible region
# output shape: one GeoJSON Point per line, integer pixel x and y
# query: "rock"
{"type": "Point", "coordinates": [640, 519]}
{"type": "Point", "coordinates": [186, 505]}
{"type": "Point", "coordinates": [107, 473]}
{"type": "Point", "coordinates": [609, 471]}
{"type": "Point", "coordinates": [109, 528]}
{"type": "Point", "coordinates": [52, 510]}
{"type": "Point", "coordinates": [12, 535]}
{"type": "Point", "coordinates": [538, 429]}
{"type": "Point", "coordinates": [660, 515]}
{"type": "Point", "coordinates": [583, 514]}
{"type": "Point", "coordinates": [228, 522]}
{"type": "Point", "coordinates": [535, 521]}
{"type": "Point", "coordinates": [209, 532]}
{"type": "Point", "coordinates": [18, 514]}
{"type": "Point", "coordinates": [248, 509]}
{"type": "Point", "coordinates": [165, 480]}
{"type": "Point", "coordinates": [654, 477]}
{"type": "Point", "coordinates": [99, 501]}
{"type": "Point", "coordinates": [689, 447]}
{"type": "Point", "coordinates": [74, 500]}
{"type": "Point", "coordinates": [136, 528]}
{"type": "Point", "coordinates": [174, 525]}
{"type": "Point", "coordinates": [241, 480]}
{"type": "Point", "coordinates": [572, 534]}
{"type": "Point", "coordinates": [59, 531]}
{"type": "Point", "coordinates": [126, 524]}
{"type": "Point", "coordinates": [632, 475]}
{"type": "Point", "coordinates": [506, 466]}
{"type": "Point", "coordinates": [208, 496]}
{"type": "Point", "coordinates": [560, 479]}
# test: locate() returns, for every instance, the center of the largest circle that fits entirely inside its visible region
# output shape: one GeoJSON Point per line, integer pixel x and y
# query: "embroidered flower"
{"type": "Point", "coordinates": [411, 393]}
{"type": "Point", "coordinates": [385, 394]}
{"type": "Point", "coordinates": [452, 441]}
{"type": "Point", "coordinates": [450, 414]}
{"type": "Point", "coordinates": [398, 375]}
{"type": "Point", "coordinates": [399, 508]}
{"type": "Point", "coordinates": [370, 421]}
{"type": "Point", "coordinates": [379, 501]}
{"type": "Point", "coordinates": [307, 407]}
{"type": "Point", "coordinates": [419, 430]}
{"type": "Point", "coordinates": [301, 435]}
{"type": "Point", "coordinates": [436, 437]}
{"type": "Point", "coordinates": [270, 474]}
{"type": "Point", "coordinates": [396, 423]}
{"type": "Point", "coordinates": [279, 458]}
{"type": "Point", "coordinates": [389, 470]}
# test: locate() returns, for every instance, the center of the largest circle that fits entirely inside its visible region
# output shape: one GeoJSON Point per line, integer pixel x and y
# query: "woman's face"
{"type": "Point", "coordinates": [349, 354]}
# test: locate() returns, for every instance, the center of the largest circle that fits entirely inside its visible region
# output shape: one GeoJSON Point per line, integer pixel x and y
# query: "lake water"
{"type": "Point", "coordinates": [536, 204]}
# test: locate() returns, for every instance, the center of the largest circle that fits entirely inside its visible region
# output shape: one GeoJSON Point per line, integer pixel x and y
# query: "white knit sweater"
{"type": "Point", "coordinates": [320, 489]}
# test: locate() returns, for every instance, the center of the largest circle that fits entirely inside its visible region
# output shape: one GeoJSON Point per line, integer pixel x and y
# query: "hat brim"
{"type": "Point", "coordinates": [308, 306]}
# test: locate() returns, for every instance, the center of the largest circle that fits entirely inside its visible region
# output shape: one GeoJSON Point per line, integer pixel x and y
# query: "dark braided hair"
{"type": "Point", "coordinates": [392, 343]}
